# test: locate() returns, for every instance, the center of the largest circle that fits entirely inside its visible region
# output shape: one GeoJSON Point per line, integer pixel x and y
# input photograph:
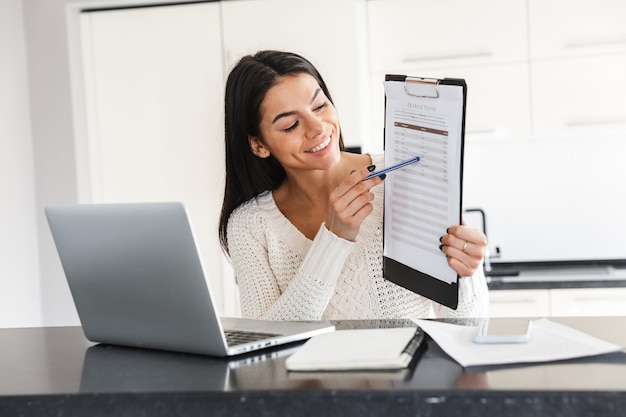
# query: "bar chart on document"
{"type": "Point", "coordinates": [422, 200]}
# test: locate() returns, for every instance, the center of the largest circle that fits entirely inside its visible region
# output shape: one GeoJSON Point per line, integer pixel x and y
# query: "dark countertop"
{"type": "Point", "coordinates": [56, 371]}
{"type": "Point", "coordinates": [515, 283]}
{"type": "Point", "coordinates": [510, 278]}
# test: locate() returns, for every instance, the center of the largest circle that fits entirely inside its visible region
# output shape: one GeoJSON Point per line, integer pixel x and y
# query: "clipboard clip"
{"type": "Point", "coordinates": [422, 87]}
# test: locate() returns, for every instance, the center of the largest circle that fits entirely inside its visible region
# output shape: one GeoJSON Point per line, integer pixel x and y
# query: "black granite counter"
{"type": "Point", "coordinates": [56, 371]}
{"type": "Point", "coordinates": [526, 277]}
{"type": "Point", "coordinates": [517, 283]}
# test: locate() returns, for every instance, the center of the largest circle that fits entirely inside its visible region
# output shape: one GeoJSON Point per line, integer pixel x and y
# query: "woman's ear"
{"type": "Point", "coordinates": [257, 147]}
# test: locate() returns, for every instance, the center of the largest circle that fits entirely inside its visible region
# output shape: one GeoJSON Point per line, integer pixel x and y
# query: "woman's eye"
{"type": "Point", "coordinates": [292, 127]}
{"type": "Point", "coordinates": [322, 106]}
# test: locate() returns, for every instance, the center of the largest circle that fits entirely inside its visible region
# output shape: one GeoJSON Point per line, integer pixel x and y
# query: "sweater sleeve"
{"type": "Point", "coordinates": [308, 292]}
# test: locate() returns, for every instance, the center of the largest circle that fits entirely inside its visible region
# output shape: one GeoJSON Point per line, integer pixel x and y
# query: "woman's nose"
{"type": "Point", "coordinates": [315, 127]}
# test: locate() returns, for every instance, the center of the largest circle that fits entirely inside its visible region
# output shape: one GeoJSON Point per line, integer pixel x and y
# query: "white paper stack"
{"type": "Point", "coordinates": [549, 341]}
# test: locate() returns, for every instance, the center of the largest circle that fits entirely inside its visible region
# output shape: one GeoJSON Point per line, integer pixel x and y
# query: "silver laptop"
{"type": "Point", "coordinates": [137, 279]}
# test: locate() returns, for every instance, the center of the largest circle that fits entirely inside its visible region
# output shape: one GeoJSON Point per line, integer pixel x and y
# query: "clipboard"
{"type": "Point", "coordinates": [411, 254]}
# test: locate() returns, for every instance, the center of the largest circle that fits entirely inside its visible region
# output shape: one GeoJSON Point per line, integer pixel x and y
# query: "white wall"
{"type": "Point", "coordinates": [19, 268]}
{"type": "Point", "coordinates": [35, 38]}
{"type": "Point", "coordinates": [53, 146]}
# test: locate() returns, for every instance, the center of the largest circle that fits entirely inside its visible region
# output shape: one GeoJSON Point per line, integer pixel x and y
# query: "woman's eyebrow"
{"type": "Point", "coordinates": [291, 113]}
{"type": "Point", "coordinates": [315, 94]}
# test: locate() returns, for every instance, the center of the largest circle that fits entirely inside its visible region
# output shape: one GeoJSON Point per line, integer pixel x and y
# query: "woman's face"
{"type": "Point", "coordinates": [299, 125]}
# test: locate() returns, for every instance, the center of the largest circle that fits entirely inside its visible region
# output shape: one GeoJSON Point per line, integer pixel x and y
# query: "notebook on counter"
{"type": "Point", "coordinates": [137, 280]}
{"type": "Point", "coordinates": [358, 349]}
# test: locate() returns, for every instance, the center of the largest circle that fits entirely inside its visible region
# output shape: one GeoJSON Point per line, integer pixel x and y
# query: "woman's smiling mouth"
{"type": "Point", "coordinates": [319, 147]}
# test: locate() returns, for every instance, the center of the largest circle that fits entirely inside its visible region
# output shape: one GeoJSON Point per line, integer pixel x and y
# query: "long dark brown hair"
{"type": "Point", "coordinates": [248, 82]}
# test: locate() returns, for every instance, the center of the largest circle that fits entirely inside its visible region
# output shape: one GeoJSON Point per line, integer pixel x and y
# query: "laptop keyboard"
{"type": "Point", "coordinates": [239, 337]}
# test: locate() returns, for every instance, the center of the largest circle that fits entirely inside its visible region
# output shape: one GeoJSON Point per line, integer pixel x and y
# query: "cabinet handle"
{"type": "Point", "coordinates": [453, 55]}
{"type": "Point", "coordinates": [593, 43]}
{"type": "Point", "coordinates": [587, 299]}
{"type": "Point", "coordinates": [591, 122]}
{"type": "Point", "coordinates": [516, 301]}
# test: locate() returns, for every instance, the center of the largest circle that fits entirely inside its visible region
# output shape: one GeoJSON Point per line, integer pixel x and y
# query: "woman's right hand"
{"type": "Point", "coordinates": [350, 203]}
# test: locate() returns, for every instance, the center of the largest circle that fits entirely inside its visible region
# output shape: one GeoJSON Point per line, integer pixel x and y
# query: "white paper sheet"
{"type": "Point", "coordinates": [422, 200]}
{"type": "Point", "coordinates": [549, 341]}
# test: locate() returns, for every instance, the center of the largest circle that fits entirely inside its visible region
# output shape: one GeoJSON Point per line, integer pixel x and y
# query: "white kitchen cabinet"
{"type": "Point", "coordinates": [418, 34]}
{"type": "Point", "coordinates": [578, 61]}
{"type": "Point", "coordinates": [490, 113]}
{"type": "Point", "coordinates": [539, 68]}
{"type": "Point", "coordinates": [519, 303]}
{"type": "Point", "coordinates": [574, 28]}
{"type": "Point", "coordinates": [579, 96]}
{"type": "Point", "coordinates": [456, 39]}
{"type": "Point", "coordinates": [153, 89]}
{"type": "Point", "coordinates": [588, 302]}
{"type": "Point", "coordinates": [332, 37]}
{"type": "Point", "coordinates": [558, 302]}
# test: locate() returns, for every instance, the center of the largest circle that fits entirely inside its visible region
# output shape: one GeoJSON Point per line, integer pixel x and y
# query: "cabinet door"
{"type": "Point", "coordinates": [329, 33]}
{"type": "Point", "coordinates": [453, 39]}
{"type": "Point", "coordinates": [416, 34]}
{"type": "Point", "coordinates": [519, 303]}
{"type": "Point", "coordinates": [588, 302]}
{"type": "Point", "coordinates": [579, 96]}
{"type": "Point", "coordinates": [498, 100]}
{"type": "Point", "coordinates": [566, 28]}
{"type": "Point", "coordinates": [154, 80]}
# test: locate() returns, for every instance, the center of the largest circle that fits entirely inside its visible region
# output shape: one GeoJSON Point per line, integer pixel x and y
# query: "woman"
{"type": "Point", "coordinates": [301, 227]}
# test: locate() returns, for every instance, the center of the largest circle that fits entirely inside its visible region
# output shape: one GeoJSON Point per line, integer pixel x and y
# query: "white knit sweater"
{"type": "Point", "coordinates": [283, 275]}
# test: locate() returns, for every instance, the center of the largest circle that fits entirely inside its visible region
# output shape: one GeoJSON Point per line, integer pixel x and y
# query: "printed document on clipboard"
{"type": "Point", "coordinates": [423, 117]}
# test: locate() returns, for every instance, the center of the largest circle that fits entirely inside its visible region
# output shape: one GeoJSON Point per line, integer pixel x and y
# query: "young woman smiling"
{"type": "Point", "coordinates": [301, 226]}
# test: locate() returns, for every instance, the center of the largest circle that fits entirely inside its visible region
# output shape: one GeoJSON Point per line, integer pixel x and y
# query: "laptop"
{"type": "Point", "coordinates": [137, 279]}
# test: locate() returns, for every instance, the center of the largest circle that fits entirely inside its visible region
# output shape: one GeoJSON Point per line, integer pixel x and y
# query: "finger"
{"type": "Point", "coordinates": [356, 177]}
{"type": "Point", "coordinates": [453, 241]}
{"type": "Point", "coordinates": [464, 256]}
{"type": "Point", "coordinates": [359, 175]}
{"type": "Point", "coordinates": [467, 234]}
{"type": "Point", "coordinates": [350, 203]}
{"type": "Point", "coordinates": [468, 252]}
{"type": "Point", "coordinates": [462, 262]}
{"type": "Point", "coordinates": [345, 216]}
{"type": "Point", "coordinates": [461, 268]}
{"type": "Point", "coordinates": [361, 208]}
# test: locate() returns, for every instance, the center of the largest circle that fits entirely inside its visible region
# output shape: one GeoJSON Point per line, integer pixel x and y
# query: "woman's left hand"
{"type": "Point", "coordinates": [465, 248]}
